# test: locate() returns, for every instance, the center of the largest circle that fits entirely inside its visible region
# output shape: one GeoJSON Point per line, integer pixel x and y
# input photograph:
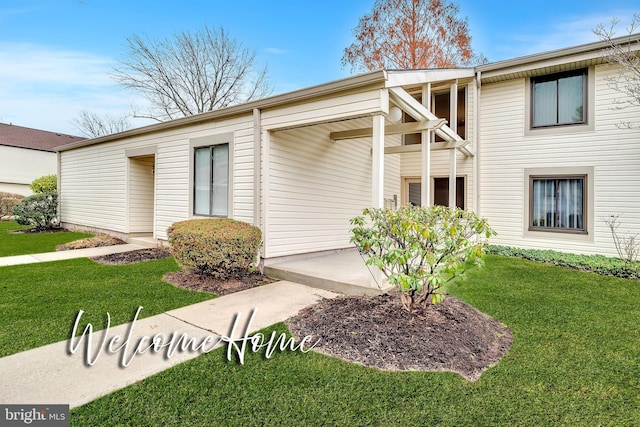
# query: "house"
{"type": "Point", "coordinates": [532, 143]}
{"type": "Point", "coordinates": [27, 154]}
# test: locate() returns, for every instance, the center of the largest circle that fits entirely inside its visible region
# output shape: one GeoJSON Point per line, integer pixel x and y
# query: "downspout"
{"type": "Point", "coordinates": [476, 145]}
{"type": "Point", "coordinates": [58, 184]}
{"type": "Point", "coordinates": [257, 177]}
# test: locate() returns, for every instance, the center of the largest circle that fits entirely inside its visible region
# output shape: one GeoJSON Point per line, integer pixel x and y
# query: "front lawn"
{"type": "Point", "coordinates": [32, 243]}
{"type": "Point", "coordinates": [39, 302]}
{"type": "Point", "coordinates": [574, 361]}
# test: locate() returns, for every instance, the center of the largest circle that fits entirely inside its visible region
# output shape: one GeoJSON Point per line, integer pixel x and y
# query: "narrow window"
{"type": "Point", "coordinates": [558, 203]}
{"type": "Point", "coordinates": [211, 180]}
{"type": "Point", "coordinates": [441, 191]}
{"type": "Point", "coordinates": [559, 99]}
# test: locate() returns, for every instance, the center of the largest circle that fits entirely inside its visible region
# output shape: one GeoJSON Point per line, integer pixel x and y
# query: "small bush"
{"type": "Point", "coordinates": [39, 211]}
{"type": "Point", "coordinates": [45, 184]}
{"type": "Point", "coordinates": [420, 250]}
{"type": "Point", "coordinates": [599, 264]}
{"type": "Point", "coordinates": [219, 247]}
{"type": "Point", "coordinates": [7, 202]}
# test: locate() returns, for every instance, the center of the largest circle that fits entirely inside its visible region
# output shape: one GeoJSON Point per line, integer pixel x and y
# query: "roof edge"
{"type": "Point", "coordinates": [558, 53]}
{"type": "Point", "coordinates": [270, 102]}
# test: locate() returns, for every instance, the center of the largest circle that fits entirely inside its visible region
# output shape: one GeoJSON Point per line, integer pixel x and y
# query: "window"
{"type": "Point", "coordinates": [441, 108]}
{"type": "Point", "coordinates": [211, 180]}
{"type": "Point", "coordinates": [440, 188]}
{"type": "Point", "coordinates": [557, 203]}
{"type": "Point", "coordinates": [559, 99]}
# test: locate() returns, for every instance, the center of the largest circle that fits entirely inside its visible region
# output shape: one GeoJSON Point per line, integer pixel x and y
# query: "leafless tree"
{"type": "Point", "coordinates": [624, 52]}
{"type": "Point", "coordinates": [93, 125]}
{"type": "Point", "coordinates": [191, 73]}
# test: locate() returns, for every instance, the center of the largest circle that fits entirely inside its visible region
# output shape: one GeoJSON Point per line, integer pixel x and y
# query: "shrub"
{"type": "Point", "coordinates": [45, 184]}
{"type": "Point", "coordinates": [599, 264]}
{"type": "Point", "coordinates": [38, 210]}
{"type": "Point", "coordinates": [219, 247]}
{"type": "Point", "coordinates": [7, 202]}
{"type": "Point", "coordinates": [420, 249]}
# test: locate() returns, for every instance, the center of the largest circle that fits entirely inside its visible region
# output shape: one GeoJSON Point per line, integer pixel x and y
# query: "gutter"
{"type": "Point", "coordinates": [361, 80]}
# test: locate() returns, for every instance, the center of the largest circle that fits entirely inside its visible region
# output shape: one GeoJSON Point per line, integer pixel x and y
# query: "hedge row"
{"type": "Point", "coordinates": [593, 263]}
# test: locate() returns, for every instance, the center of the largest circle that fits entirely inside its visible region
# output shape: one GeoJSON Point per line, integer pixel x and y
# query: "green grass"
{"type": "Point", "coordinates": [21, 244]}
{"type": "Point", "coordinates": [39, 302]}
{"type": "Point", "coordinates": [575, 361]}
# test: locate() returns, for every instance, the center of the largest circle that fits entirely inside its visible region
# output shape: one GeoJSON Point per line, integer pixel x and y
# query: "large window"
{"type": "Point", "coordinates": [558, 203]}
{"type": "Point", "coordinates": [559, 99]}
{"type": "Point", "coordinates": [211, 180]}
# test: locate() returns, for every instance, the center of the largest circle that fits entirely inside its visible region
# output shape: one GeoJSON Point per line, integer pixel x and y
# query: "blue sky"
{"type": "Point", "coordinates": [55, 54]}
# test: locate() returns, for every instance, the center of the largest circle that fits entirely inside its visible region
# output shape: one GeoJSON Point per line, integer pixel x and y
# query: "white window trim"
{"type": "Point", "coordinates": [589, 126]}
{"type": "Point", "coordinates": [589, 173]}
{"type": "Point", "coordinates": [206, 141]}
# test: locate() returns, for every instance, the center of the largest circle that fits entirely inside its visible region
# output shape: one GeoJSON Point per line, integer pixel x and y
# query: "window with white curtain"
{"type": "Point", "coordinates": [559, 99]}
{"type": "Point", "coordinates": [557, 203]}
{"type": "Point", "coordinates": [211, 180]}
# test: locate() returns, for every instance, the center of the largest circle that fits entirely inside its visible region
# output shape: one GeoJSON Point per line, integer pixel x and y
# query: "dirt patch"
{"type": "Point", "coordinates": [97, 241]}
{"type": "Point", "coordinates": [199, 282]}
{"type": "Point", "coordinates": [377, 332]}
{"type": "Point", "coordinates": [132, 257]}
{"type": "Point", "coordinates": [38, 231]}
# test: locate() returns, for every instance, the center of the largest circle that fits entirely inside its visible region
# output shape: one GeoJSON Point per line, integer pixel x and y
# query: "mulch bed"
{"type": "Point", "coordinates": [197, 282]}
{"type": "Point", "coordinates": [132, 257]}
{"type": "Point", "coordinates": [377, 332]}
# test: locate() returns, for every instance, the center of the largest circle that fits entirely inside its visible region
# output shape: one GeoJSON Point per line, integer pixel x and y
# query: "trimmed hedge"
{"type": "Point", "coordinates": [599, 264]}
{"type": "Point", "coordinates": [219, 247]}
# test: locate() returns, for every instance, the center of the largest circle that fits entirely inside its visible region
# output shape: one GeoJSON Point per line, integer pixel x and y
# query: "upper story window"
{"type": "Point", "coordinates": [559, 99]}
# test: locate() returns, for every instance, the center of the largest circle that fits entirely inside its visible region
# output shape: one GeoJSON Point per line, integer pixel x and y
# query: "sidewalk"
{"type": "Point", "coordinates": [62, 255]}
{"type": "Point", "coordinates": [50, 375]}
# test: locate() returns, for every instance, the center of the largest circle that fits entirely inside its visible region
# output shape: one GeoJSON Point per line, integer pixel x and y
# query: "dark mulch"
{"type": "Point", "coordinates": [199, 282]}
{"type": "Point", "coordinates": [38, 231]}
{"type": "Point", "coordinates": [132, 257]}
{"type": "Point", "coordinates": [377, 332]}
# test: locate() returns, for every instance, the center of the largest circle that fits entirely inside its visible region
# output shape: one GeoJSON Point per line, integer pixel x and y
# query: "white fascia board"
{"type": "Point", "coordinates": [418, 77]}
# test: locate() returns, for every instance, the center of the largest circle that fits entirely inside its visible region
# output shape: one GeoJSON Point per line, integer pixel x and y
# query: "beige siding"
{"type": "Point", "coordinates": [94, 178]}
{"type": "Point", "coordinates": [141, 194]}
{"type": "Point", "coordinates": [315, 187]}
{"type": "Point", "coordinates": [506, 152]}
{"type": "Point", "coordinates": [20, 166]}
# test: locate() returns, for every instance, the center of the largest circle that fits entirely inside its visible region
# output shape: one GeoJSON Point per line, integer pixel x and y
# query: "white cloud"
{"type": "Point", "coordinates": [45, 88]}
{"type": "Point", "coordinates": [571, 31]}
{"type": "Point", "coordinates": [276, 51]}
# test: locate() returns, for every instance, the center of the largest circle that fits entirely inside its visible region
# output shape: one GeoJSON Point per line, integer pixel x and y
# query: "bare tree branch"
{"type": "Point", "coordinates": [92, 125]}
{"type": "Point", "coordinates": [192, 73]}
{"type": "Point", "coordinates": [624, 53]}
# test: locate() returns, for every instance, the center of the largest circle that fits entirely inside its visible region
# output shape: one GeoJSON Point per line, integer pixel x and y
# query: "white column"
{"type": "Point", "coordinates": [377, 163]}
{"type": "Point", "coordinates": [425, 171]}
{"type": "Point", "coordinates": [453, 124]}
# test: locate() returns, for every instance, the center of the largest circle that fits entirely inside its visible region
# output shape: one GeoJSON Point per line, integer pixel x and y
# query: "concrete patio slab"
{"type": "Point", "coordinates": [343, 272]}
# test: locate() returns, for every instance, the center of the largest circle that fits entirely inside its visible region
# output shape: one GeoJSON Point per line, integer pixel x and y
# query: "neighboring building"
{"type": "Point", "coordinates": [27, 154]}
{"type": "Point", "coordinates": [533, 144]}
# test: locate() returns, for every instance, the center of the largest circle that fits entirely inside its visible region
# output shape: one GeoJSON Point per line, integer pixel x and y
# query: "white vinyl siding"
{"type": "Point", "coordinates": [505, 152]}
{"type": "Point", "coordinates": [94, 178]}
{"type": "Point", "coordinates": [141, 194]}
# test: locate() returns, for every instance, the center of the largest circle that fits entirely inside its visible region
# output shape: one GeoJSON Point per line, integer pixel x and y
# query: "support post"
{"type": "Point", "coordinates": [453, 124]}
{"type": "Point", "coordinates": [425, 171]}
{"type": "Point", "coordinates": [377, 163]}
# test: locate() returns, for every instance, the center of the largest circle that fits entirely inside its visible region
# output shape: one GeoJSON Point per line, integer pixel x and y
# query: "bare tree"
{"type": "Point", "coordinates": [624, 52]}
{"type": "Point", "coordinates": [410, 34]}
{"type": "Point", "coordinates": [192, 73]}
{"type": "Point", "coordinates": [92, 125]}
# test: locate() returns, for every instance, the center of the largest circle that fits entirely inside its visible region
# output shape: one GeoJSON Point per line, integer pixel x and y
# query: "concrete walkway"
{"type": "Point", "coordinates": [53, 374]}
{"type": "Point", "coordinates": [62, 255]}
